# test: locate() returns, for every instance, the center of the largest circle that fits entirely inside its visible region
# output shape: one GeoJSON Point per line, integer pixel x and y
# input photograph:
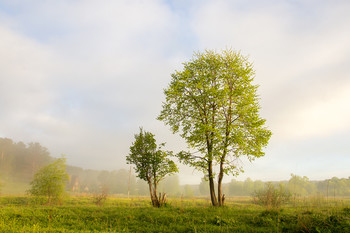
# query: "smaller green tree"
{"type": "Point", "coordinates": [50, 181]}
{"type": "Point", "coordinates": [151, 163]}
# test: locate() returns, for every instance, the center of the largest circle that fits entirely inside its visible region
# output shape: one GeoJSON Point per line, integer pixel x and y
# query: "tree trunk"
{"type": "Point", "coordinates": [151, 192]}
{"type": "Point", "coordinates": [220, 195]}
{"type": "Point", "coordinates": [156, 204]}
{"type": "Point", "coordinates": [162, 198]}
{"type": "Point", "coordinates": [211, 185]}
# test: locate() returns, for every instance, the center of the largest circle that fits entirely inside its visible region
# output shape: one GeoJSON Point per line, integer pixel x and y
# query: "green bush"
{"type": "Point", "coordinates": [50, 181]}
{"type": "Point", "coordinates": [271, 197]}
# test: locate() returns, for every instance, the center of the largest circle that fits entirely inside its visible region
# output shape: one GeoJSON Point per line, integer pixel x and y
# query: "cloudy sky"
{"type": "Point", "coordinates": [81, 76]}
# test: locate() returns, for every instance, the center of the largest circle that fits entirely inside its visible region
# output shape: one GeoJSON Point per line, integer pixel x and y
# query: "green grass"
{"type": "Point", "coordinates": [9, 187]}
{"type": "Point", "coordinates": [79, 214]}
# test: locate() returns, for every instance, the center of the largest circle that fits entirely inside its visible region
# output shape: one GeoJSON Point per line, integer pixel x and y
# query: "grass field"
{"type": "Point", "coordinates": [80, 214]}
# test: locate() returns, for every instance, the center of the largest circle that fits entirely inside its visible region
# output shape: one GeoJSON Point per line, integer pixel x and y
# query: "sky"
{"type": "Point", "coordinates": [81, 76]}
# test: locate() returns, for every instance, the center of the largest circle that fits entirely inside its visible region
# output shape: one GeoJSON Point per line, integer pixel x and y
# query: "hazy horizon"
{"type": "Point", "coordinates": [81, 77]}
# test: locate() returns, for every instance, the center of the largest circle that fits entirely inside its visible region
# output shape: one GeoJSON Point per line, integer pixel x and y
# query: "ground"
{"type": "Point", "coordinates": [118, 214]}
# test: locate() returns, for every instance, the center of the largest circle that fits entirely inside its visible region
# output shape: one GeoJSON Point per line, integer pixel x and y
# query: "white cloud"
{"type": "Point", "coordinates": [80, 77]}
{"type": "Point", "coordinates": [322, 118]}
{"type": "Point", "coordinates": [25, 67]}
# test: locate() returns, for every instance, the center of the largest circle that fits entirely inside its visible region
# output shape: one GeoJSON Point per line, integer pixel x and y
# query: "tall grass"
{"type": "Point", "coordinates": [81, 214]}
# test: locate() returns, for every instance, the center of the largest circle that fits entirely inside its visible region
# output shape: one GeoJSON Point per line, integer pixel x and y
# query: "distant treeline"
{"type": "Point", "coordinates": [19, 162]}
{"type": "Point", "coordinates": [296, 185]}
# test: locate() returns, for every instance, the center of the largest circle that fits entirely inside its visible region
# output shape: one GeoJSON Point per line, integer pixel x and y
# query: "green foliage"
{"type": "Point", "coordinates": [214, 104]}
{"type": "Point", "coordinates": [271, 197]}
{"type": "Point", "coordinates": [151, 163]}
{"type": "Point", "coordinates": [149, 160]}
{"type": "Point", "coordinates": [50, 181]}
{"type": "Point", "coordinates": [213, 100]}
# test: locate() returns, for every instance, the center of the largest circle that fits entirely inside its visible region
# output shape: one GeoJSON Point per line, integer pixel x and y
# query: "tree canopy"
{"type": "Point", "coordinates": [215, 106]}
{"type": "Point", "coordinates": [50, 181]}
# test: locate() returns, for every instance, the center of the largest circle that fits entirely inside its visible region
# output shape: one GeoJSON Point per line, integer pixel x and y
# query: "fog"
{"type": "Point", "coordinates": [19, 162]}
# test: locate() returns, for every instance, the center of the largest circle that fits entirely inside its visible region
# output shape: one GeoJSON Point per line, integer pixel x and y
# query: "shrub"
{"type": "Point", "coordinates": [100, 198]}
{"type": "Point", "coordinates": [50, 181]}
{"type": "Point", "coordinates": [271, 197]}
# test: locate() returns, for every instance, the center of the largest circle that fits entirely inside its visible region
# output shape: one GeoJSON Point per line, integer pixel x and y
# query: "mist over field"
{"type": "Point", "coordinates": [81, 77]}
{"type": "Point", "coordinates": [20, 162]}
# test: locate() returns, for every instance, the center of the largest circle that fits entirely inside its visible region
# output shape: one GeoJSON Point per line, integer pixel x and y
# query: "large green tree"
{"type": "Point", "coordinates": [151, 163]}
{"type": "Point", "coordinates": [50, 181]}
{"type": "Point", "coordinates": [215, 106]}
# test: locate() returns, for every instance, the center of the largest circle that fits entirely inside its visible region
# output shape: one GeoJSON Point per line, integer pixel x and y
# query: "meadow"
{"type": "Point", "coordinates": [120, 214]}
